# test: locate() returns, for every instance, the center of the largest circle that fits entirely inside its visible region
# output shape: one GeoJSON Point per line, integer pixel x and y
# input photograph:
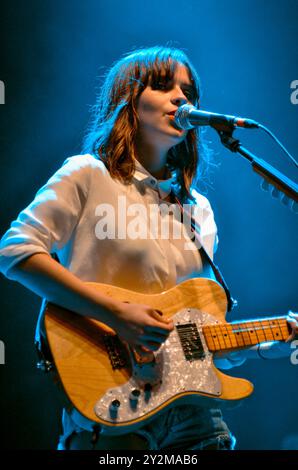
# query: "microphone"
{"type": "Point", "coordinates": [188, 117]}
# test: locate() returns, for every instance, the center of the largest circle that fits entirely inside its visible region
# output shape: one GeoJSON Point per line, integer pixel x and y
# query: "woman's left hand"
{"type": "Point", "coordinates": [292, 320]}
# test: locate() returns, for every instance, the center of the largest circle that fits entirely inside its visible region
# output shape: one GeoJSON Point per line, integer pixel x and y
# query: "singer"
{"type": "Point", "coordinates": [134, 149]}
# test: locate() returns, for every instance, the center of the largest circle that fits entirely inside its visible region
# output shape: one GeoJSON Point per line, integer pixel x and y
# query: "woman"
{"type": "Point", "coordinates": [134, 154]}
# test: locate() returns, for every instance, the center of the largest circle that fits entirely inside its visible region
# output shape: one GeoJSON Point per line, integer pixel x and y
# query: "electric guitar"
{"type": "Point", "coordinates": [110, 384]}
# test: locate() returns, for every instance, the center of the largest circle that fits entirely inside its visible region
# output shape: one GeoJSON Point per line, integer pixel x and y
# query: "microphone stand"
{"type": "Point", "coordinates": [283, 189]}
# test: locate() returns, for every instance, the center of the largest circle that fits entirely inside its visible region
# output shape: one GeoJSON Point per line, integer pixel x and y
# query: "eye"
{"type": "Point", "coordinates": [161, 85]}
{"type": "Point", "coordinates": [165, 85]}
{"type": "Point", "coordinates": [189, 93]}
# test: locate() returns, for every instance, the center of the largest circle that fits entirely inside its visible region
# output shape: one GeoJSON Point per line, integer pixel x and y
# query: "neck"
{"type": "Point", "coordinates": [241, 335]}
{"type": "Point", "coordinates": [153, 159]}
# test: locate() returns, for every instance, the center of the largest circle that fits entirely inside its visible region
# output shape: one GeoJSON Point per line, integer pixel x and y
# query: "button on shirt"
{"type": "Point", "coordinates": [82, 214]}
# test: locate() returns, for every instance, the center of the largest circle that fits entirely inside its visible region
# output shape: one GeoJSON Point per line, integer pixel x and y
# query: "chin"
{"type": "Point", "coordinates": [179, 134]}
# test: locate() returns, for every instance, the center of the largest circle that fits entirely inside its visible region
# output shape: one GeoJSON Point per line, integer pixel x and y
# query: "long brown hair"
{"type": "Point", "coordinates": [111, 134]}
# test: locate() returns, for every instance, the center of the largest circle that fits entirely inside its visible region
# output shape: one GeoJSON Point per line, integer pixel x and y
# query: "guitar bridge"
{"type": "Point", "coordinates": [116, 351]}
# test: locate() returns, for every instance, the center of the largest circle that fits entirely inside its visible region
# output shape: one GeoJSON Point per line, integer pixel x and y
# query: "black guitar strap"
{"type": "Point", "coordinates": [219, 277]}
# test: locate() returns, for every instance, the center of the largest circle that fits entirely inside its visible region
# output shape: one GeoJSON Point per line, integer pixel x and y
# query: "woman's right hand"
{"type": "Point", "coordinates": [141, 326]}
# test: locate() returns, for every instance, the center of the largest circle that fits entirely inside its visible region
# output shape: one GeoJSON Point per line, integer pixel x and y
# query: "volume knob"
{"type": "Point", "coordinates": [135, 394]}
{"type": "Point", "coordinates": [113, 408]}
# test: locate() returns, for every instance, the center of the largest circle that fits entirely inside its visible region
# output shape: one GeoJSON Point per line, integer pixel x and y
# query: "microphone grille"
{"type": "Point", "coordinates": [182, 115]}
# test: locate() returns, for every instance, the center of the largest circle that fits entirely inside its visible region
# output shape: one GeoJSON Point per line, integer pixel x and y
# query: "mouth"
{"type": "Point", "coordinates": [172, 113]}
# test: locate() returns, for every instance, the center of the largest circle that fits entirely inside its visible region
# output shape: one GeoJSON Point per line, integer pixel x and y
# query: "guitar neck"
{"type": "Point", "coordinates": [242, 335]}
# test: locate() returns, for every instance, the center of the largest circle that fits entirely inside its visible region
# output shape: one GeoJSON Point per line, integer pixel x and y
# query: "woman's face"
{"type": "Point", "coordinates": [156, 109]}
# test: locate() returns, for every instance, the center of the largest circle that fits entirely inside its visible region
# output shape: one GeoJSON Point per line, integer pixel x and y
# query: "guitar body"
{"type": "Point", "coordinates": [109, 385]}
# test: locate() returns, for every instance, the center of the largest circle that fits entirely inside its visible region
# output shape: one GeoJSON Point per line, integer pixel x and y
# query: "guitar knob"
{"type": "Point", "coordinates": [134, 398]}
{"type": "Point", "coordinates": [147, 392]}
{"type": "Point", "coordinates": [135, 394]}
{"type": "Point", "coordinates": [114, 406]}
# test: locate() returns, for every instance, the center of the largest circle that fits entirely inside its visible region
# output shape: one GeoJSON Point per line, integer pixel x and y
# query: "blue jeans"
{"type": "Point", "coordinates": [188, 428]}
{"type": "Point", "coordinates": [180, 428]}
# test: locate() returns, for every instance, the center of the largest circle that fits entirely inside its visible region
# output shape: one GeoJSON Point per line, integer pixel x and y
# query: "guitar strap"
{"type": "Point", "coordinates": [219, 277]}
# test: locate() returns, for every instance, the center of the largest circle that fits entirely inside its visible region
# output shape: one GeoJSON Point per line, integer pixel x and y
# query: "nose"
{"type": "Point", "coordinates": [178, 98]}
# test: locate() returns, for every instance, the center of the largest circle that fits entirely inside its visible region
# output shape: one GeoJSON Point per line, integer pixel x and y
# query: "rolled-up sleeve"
{"type": "Point", "coordinates": [48, 222]}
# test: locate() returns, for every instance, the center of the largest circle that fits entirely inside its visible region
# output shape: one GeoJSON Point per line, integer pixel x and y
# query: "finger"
{"type": "Point", "coordinates": [152, 343]}
{"type": "Point", "coordinates": [293, 326]}
{"type": "Point", "coordinates": [142, 351]}
{"type": "Point", "coordinates": [156, 331]}
{"type": "Point", "coordinates": [161, 317]}
{"type": "Point", "coordinates": [158, 315]}
{"type": "Point", "coordinates": [150, 340]}
{"type": "Point", "coordinates": [158, 311]}
{"type": "Point", "coordinates": [162, 323]}
{"type": "Point", "coordinates": [148, 336]}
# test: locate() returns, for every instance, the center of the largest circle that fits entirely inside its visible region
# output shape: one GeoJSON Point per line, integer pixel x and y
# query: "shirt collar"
{"type": "Point", "coordinates": [162, 186]}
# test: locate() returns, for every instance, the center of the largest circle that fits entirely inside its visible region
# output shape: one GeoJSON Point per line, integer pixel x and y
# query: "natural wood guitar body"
{"type": "Point", "coordinates": [84, 366]}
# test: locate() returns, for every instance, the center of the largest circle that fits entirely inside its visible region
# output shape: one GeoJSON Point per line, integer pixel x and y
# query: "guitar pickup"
{"type": "Point", "coordinates": [190, 341]}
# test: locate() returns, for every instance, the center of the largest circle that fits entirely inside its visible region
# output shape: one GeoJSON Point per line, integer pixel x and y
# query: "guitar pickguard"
{"type": "Point", "coordinates": [183, 364]}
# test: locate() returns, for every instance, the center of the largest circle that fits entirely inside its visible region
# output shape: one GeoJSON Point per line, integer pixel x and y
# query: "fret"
{"type": "Point", "coordinates": [279, 333]}
{"type": "Point", "coordinates": [232, 343]}
{"type": "Point", "coordinates": [238, 336]}
{"type": "Point", "coordinates": [260, 334]}
{"type": "Point", "coordinates": [225, 335]}
{"type": "Point", "coordinates": [251, 330]}
{"type": "Point", "coordinates": [266, 330]}
{"type": "Point", "coordinates": [245, 335]}
{"type": "Point", "coordinates": [261, 331]}
{"type": "Point", "coordinates": [211, 338]}
{"type": "Point", "coordinates": [220, 337]}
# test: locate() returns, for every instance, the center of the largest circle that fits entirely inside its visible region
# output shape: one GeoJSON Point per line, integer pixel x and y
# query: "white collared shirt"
{"type": "Point", "coordinates": [162, 186]}
{"type": "Point", "coordinates": [64, 218]}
